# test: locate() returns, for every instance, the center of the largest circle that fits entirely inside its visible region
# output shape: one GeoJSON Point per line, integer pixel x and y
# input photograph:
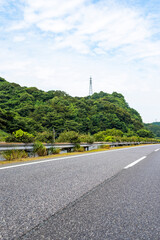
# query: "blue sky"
{"type": "Point", "coordinates": [59, 44]}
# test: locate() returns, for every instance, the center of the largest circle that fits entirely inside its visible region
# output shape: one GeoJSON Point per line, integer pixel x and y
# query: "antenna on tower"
{"type": "Point", "coordinates": [90, 87]}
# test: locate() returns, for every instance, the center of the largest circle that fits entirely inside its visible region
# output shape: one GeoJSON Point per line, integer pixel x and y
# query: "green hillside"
{"type": "Point", "coordinates": [156, 123]}
{"type": "Point", "coordinates": [34, 110]}
{"type": "Point", "coordinates": [154, 127]}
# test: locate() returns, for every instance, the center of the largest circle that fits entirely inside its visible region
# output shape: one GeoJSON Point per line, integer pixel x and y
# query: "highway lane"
{"type": "Point", "coordinates": [127, 206]}
{"type": "Point", "coordinates": [30, 194]}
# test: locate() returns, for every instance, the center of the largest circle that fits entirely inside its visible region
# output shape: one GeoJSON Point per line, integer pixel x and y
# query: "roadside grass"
{"type": "Point", "coordinates": [65, 154]}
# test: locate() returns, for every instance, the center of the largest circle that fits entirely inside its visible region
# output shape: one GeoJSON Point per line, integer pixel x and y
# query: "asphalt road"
{"type": "Point", "coordinates": [92, 196]}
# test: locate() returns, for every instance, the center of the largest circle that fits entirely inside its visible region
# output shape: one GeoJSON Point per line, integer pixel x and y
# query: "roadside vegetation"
{"type": "Point", "coordinates": [102, 147]}
{"type": "Point", "coordinates": [110, 135]}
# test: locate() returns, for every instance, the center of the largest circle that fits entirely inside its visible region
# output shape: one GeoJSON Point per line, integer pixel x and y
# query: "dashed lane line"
{"type": "Point", "coordinates": [134, 163]}
{"type": "Point", "coordinates": [156, 150]}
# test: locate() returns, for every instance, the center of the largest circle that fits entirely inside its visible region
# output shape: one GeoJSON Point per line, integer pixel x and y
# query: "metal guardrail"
{"type": "Point", "coordinates": [64, 146]}
{"type": "Point", "coordinates": [29, 146]}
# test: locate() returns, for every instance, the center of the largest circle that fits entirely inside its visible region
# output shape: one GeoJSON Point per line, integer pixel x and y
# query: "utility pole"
{"type": "Point", "coordinates": [54, 133]}
{"type": "Point", "coordinates": [90, 87]}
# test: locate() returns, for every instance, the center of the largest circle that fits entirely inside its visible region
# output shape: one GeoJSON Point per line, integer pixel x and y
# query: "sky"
{"type": "Point", "coordinates": [59, 44]}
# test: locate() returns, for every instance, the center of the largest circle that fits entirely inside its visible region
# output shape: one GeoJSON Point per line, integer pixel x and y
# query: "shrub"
{"type": "Point", "coordinates": [11, 138]}
{"type": "Point", "coordinates": [78, 148]}
{"type": "Point", "coordinates": [81, 149]}
{"type": "Point", "coordinates": [129, 133]}
{"type": "Point", "coordinates": [86, 138]}
{"type": "Point", "coordinates": [8, 155]}
{"type": "Point", "coordinates": [20, 136]}
{"type": "Point", "coordinates": [40, 149]}
{"type": "Point", "coordinates": [114, 132]}
{"type": "Point", "coordinates": [104, 146]}
{"type": "Point", "coordinates": [110, 135]}
{"type": "Point", "coordinates": [130, 139]}
{"type": "Point", "coordinates": [70, 136]}
{"type": "Point", "coordinates": [110, 139]}
{"type": "Point", "coordinates": [99, 136]}
{"type": "Point", "coordinates": [14, 154]}
{"type": "Point", "coordinates": [46, 137]}
{"type": "Point", "coordinates": [54, 150]}
{"type": "Point", "coordinates": [37, 145]}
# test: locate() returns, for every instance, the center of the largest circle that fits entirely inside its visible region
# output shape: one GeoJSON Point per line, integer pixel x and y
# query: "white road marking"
{"type": "Point", "coordinates": [156, 150]}
{"type": "Point", "coordinates": [135, 162]}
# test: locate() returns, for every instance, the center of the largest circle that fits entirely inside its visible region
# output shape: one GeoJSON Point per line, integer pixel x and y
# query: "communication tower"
{"type": "Point", "coordinates": [90, 87]}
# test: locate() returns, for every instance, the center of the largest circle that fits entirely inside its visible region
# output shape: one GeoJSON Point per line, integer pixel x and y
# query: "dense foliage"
{"type": "Point", "coordinates": [36, 111]}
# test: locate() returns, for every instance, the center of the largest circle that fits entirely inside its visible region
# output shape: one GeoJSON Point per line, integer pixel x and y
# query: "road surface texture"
{"type": "Point", "coordinates": [94, 196]}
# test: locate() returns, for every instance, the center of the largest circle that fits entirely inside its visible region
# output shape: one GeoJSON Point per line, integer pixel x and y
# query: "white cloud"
{"type": "Point", "coordinates": [17, 26]}
{"type": "Point", "coordinates": [14, 65]}
{"type": "Point", "coordinates": [56, 26]}
{"type": "Point", "coordinates": [84, 25]}
{"type": "Point", "coordinates": [44, 72]}
{"type": "Point", "coordinates": [1, 2]}
{"type": "Point", "coordinates": [19, 38]}
{"type": "Point", "coordinates": [38, 10]}
{"type": "Point", "coordinates": [92, 28]}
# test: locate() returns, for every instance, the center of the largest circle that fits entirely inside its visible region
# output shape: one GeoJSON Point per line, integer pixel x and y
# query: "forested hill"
{"type": "Point", "coordinates": [154, 127]}
{"type": "Point", "coordinates": [34, 110]}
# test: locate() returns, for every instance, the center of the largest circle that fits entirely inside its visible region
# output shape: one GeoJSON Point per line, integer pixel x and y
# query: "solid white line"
{"type": "Point", "coordinates": [156, 150]}
{"type": "Point", "coordinates": [60, 158]}
{"type": "Point", "coordinates": [135, 162]}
